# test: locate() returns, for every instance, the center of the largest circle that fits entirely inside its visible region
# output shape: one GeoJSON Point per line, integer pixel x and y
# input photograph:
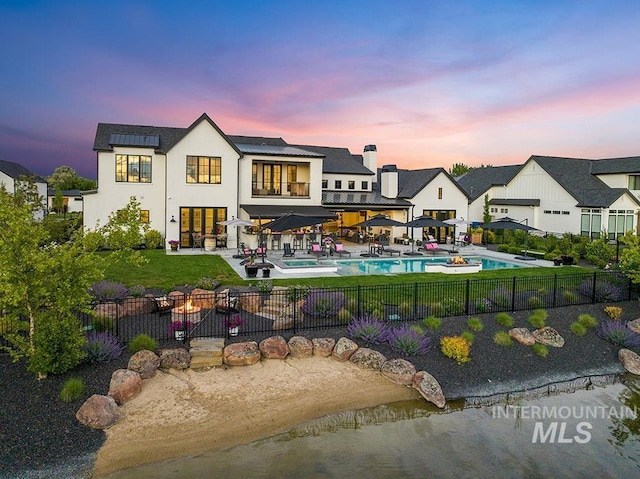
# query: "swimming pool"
{"type": "Point", "coordinates": [359, 267]}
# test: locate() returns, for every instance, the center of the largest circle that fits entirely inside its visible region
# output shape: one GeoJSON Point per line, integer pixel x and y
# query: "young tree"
{"type": "Point", "coordinates": [43, 285]}
{"type": "Point", "coordinates": [458, 169]}
{"type": "Point", "coordinates": [486, 215]}
{"type": "Point", "coordinates": [629, 260]}
{"type": "Point", "coordinates": [125, 232]}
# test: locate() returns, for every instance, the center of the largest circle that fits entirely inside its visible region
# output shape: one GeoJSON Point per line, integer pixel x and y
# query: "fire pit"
{"type": "Point", "coordinates": [458, 260]}
{"type": "Point", "coordinates": [186, 312]}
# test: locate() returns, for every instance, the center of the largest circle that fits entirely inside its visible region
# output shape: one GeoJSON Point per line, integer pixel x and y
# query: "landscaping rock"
{"type": "Point", "coordinates": [323, 347]}
{"type": "Point", "coordinates": [429, 388]}
{"type": "Point", "coordinates": [98, 412]}
{"type": "Point", "coordinates": [108, 310]}
{"type": "Point", "coordinates": [283, 322]}
{"type": "Point", "coordinates": [634, 325]}
{"type": "Point", "coordinates": [203, 298]}
{"type": "Point", "coordinates": [549, 337]}
{"type": "Point", "coordinates": [241, 354]}
{"type": "Point", "coordinates": [250, 302]}
{"type": "Point", "coordinates": [343, 349]}
{"type": "Point", "coordinates": [178, 358]}
{"type": "Point", "coordinates": [138, 306]}
{"type": "Point", "coordinates": [300, 347]}
{"type": "Point", "coordinates": [630, 361]}
{"type": "Point", "coordinates": [125, 385]}
{"type": "Point", "coordinates": [523, 336]}
{"type": "Point", "coordinates": [368, 358]}
{"type": "Point", "coordinates": [145, 363]}
{"type": "Point", "coordinates": [274, 347]}
{"type": "Point", "coordinates": [177, 298]}
{"type": "Point", "coordinates": [400, 371]}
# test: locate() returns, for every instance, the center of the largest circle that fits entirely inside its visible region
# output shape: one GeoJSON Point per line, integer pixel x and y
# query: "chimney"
{"type": "Point", "coordinates": [370, 159]}
{"type": "Point", "coordinates": [389, 181]}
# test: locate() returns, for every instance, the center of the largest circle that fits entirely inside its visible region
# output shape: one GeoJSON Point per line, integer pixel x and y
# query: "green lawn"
{"type": "Point", "coordinates": [167, 271]}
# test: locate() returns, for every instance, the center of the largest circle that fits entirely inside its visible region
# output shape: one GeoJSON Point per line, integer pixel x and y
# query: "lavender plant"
{"type": "Point", "coordinates": [102, 347]}
{"type": "Point", "coordinates": [618, 333]}
{"type": "Point", "coordinates": [108, 290]}
{"type": "Point", "coordinates": [408, 341]}
{"type": "Point", "coordinates": [604, 291]}
{"type": "Point", "coordinates": [368, 329]}
{"type": "Point", "coordinates": [323, 304]}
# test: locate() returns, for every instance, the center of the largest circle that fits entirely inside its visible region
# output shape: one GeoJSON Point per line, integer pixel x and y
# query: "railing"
{"type": "Point", "coordinates": [294, 188]}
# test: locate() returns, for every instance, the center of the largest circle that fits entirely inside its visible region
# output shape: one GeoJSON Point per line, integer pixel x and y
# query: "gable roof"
{"type": "Point", "coordinates": [574, 175]}
{"type": "Point", "coordinates": [338, 160]}
{"type": "Point", "coordinates": [16, 170]}
{"type": "Point", "coordinates": [613, 166]}
{"type": "Point", "coordinates": [412, 182]}
{"type": "Point", "coordinates": [477, 181]}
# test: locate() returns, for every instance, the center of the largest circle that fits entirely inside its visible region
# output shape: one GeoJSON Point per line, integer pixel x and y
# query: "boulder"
{"type": "Point", "coordinates": [145, 363]}
{"type": "Point", "coordinates": [400, 371]}
{"type": "Point", "coordinates": [241, 354]}
{"type": "Point", "coordinates": [344, 349]}
{"type": "Point", "coordinates": [630, 361]}
{"type": "Point", "coordinates": [178, 358]}
{"type": "Point", "coordinates": [429, 388]}
{"type": "Point", "coordinates": [250, 302]}
{"type": "Point", "coordinates": [634, 325]}
{"type": "Point", "coordinates": [274, 347]}
{"type": "Point", "coordinates": [203, 298]}
{"type": "Point", "coordinates": [177, 298]}
{"type": "Point", "coordinates": [300, 347]}
{"type": "Point", "coordinates": [98, 412]}
{"type": "Point", "coordinates": [108, 310]}
{"type": "Point", "coordinates": [283, 322]}
{"type": "Point", "coordinates": [138, 306]}
{"type": "Point", "coordinates": [323, 347]}
{"type": "Point", "coordinates": [523, 336]}
{"type": "Point", "coordinates": [124, 385]}
{"type": "Point", "coordinates": [368, 358]}
{"type": "Point", "coordinates": [549, 337]}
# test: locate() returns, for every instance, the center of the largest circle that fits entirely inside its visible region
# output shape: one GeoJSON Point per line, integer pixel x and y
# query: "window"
{"type": "Point", "coordinates": [133, 168]}
{"type": "Point", "coordinates": [504, 210]}
{"type": "Point", "coordinates": [547, 212]}
{"type": "Point", "coordinates": [556, 212]}
{"type": "Point", "coordinates": [338, 184]}
{"type": "Point", "coordinates": [620, 221]}
{"type": "Point", "coordinates": [439, 193]}
{"type": "Point", "coordinates": [566, 212]}
{"type": "Point", "coordinates": [590, 223]}
{"type": "Point", "coordinates": [351, 185]}
{"type": "Point", "coordinates": [292, 175]}
{"type": "Point", "coordinates": [144, 216]}
{"type": "Point", "coordinates": [365, 185]}
{"type": "Point", "coordinates": [493, 210]}
{"type": "Point", "coordinates": [634, 182]}
{"type": "Point", "coordinates": [204, 169]}
{"type": "Point", "coordinates": [325, 184]}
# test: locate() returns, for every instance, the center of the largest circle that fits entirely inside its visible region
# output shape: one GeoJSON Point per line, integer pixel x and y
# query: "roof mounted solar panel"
{"type": "Point", "coordinates": [148, 141]}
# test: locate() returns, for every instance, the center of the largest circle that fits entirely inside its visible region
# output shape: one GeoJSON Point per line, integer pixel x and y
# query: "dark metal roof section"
{"type": "Point", "coordinates": [372, 200]}
{"type": "Point", "coordinates": [147, 141]}
{"type": "Point", "coordinates": [275, 211]}
{"type": "Point", "coordinates": [515, 202]}
{"type": "Point", "coordinates": [338, 160]}
{"type": "Point", "coordinates": [477, 181]}
{"type": "Point", "coordinates": [257, 140]}
{"type": "Point", "coordinates": [276, 150]}
{"type": "Point", "coordinates": [16, 170]}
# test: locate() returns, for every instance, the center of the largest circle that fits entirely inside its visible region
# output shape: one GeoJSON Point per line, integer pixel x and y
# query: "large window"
{"type": "Point", "coordinates": [292, 175]}
{"type": "Point", "coordinates": [620, 221]}
{"type": "Point", "coordinates": [634, 182]}
{"type": "Point", "coordinates": [591, 223]}
{"type": "Point", "coordinates": [204, 169]}
{"type": "Point", "coordinates": [133, 168]}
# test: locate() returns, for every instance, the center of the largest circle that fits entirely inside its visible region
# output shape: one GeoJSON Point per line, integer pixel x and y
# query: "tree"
{"type": "Point", "coordinates": [66, 178]}
{"type": "Point", "coordinates": [43, 286]}
{"type": "Point", "coordinates": [458, 169]}
{"type": "Point", "coordinates": [58, 202]}
{"type": "Point", "coordinates": [629, 260]}
{"type": "Point", "coordinates": [486, 215]}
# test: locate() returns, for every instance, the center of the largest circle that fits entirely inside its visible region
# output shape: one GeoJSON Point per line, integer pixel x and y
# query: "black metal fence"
{"type": "Point", "coordinates": [180, 316]}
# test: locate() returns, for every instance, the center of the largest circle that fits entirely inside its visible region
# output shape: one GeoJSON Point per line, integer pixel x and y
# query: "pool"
{"type": "Point", "coordinates": [370, 266]}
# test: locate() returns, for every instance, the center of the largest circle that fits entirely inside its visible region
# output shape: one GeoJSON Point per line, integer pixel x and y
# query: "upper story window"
{"type": "Point", "coordinates": [133, 168]}
{"type": "Point", "coordinates": [338, 184]}
{"type": "Point", "coordinates": [325, 184]}
{"type": "Point", "coordinates": [365, 185]}
{"type": "Point", "coordinates": [351, 185]}
{"type": "Point", "coordinates": [204, 169]}
{"type": "Point", "coordinates": [439, 193]}
{"type": "Point", "coordinates": [634, 182]}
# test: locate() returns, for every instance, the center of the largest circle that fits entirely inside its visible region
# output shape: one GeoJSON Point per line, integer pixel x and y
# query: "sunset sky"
{"type": "Point", "coordinates": [431, 83]}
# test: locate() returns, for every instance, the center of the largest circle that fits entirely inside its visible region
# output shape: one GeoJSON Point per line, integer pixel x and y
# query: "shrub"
{"type": "Point", "coordinates": [504, 319]}
{"type": "Point", "coordinates": [475, 324]}
{"type": "Point", "coordinates": [540, 349]}
{"type": "Point", "coordinates": [599, 252]}
{"type": "Point", "coordinates": [469, 336]}
{"type": "Point", "coordinates": [482, 306]}
{"type": "Point", "coordinates": [502, 338]}
{"type": "Point", "coordinates": [103, 323]}
{"type": "Point", "coordinates": [587, 320]}
{"type": "Point", "coordinates": [570, 296]}
{"type": "Point", "coordinates": [604, 291]}
{"type": "Point", "coordinates": [102, 347]}
{"type": "Point", "coordinates": [142, 341]}
{"type": "Point", "coordinates": [297, 292]}
{"type": "Point", "coordinates": [137, 291]}
{"type": "Point", "coordinates": [207, 283]}
{"type": "Point", "coordinates": [178, 326]}
{"type": "Point", "coordinates": [614, 312]}
{"type": "Point", "coordinates": [501, 297]}
{"type": "Point", "coordinates": [618, 333]}
{"type": "Point", "coordinates": [534, 302]}
{"type": "Point", "coordinates": [153, 239]}
{"type": "Point", "coordinates": [323, 304]}
{"type": "Point", "coordinates": [108, 290]}
{"type": "Point", "coordinates": [406, 341]}
{"type": "Point", "coordinates": [456, 347]}
{"type": "Point", "coordinates": [436, 309]}
{"type": "Point", "coordinates": [538, 318]}
{"type": "Point", "coordinates": [432, 323]}
{"type": "Point", "coordinates": [406, 309]}
{"type": "Point", "coordinates": [452, 307]}
{"type": "Point", "coordinates": [368, 329]}
{"type": "Point", "coordinates": [93, 241]}
{"type": "Point", "coordinates": [578, 328]}
{"type": "Point", "coordinates": [72, 390]}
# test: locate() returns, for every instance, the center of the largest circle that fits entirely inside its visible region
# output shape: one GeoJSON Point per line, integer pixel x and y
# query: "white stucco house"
{"type": "Point", "coordinates": [12, 173]}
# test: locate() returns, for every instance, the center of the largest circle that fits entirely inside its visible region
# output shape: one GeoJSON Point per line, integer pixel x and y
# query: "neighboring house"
{"type": "Point", "coordinates": [12, 173]}
{"type": "Point", "coordinates": [560, 195]}
{"type": "Point", "coordinates": [71, 200]}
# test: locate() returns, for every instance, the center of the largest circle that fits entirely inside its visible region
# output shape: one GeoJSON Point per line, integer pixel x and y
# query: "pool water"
{"type": "Point", "coordinates": [359, 267]}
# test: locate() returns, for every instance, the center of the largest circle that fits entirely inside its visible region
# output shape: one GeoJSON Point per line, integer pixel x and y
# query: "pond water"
{"type": "Point", "coordinates": [592, 433]}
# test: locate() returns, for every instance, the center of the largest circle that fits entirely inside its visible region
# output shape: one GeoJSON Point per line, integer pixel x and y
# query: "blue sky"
{"type": "Point", "coordinates": [430, 83]}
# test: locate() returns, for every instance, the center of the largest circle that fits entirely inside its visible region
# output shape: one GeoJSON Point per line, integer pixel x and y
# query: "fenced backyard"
{"type": "Point", "coordinates": [292, 310]}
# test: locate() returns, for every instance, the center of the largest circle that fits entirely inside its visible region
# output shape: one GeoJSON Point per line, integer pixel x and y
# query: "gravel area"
{"type": "Point", "coordinates": [40, 437]}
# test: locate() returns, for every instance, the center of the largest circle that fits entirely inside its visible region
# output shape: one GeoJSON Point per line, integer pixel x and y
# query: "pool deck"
{"type": "Point", "coordinates": [276, 256]}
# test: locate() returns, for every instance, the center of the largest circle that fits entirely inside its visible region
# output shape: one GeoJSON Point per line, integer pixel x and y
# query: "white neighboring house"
{"type": "Point", "coordinates": [12, 173]}
{"type": "Point", "coordinates": [72, 200]}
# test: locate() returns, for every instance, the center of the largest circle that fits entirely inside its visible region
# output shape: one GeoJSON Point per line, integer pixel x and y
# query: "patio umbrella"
{"type": "Point", "coordinates": [377, 220]}
{"type": "Point", "coordinates": [425, 221]}
{"type": "Point", "coordinates": [290, 221]}
{"type": "Point", "coordinates": [237, 222]}
{"type": "Point", "coordinates": [455, 222]}
{"type": "Point", "coordinates": [507, 223]}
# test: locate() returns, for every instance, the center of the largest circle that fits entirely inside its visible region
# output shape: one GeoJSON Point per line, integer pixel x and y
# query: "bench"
{"type": "Point", "coordinates": [535, 254]}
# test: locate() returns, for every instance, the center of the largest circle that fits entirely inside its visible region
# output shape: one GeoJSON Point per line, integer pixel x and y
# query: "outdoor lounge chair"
{"type": "Point", "coordinates": [461, 239]}
{"type": "Point", "coordinates": [288, 252]}
{"type": "Point", "coordinates": [261, 251]}
{"type": "Point", "coordinates": [384, 248]}
{"type": "Point", "coordinates": [317, 250]}
{"type": "Point", "coordinates": [433, 248]}
{"type": "Point", "coordinates": [197, 240]}
{"type": "Point", "coordinates": [338, 248]}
